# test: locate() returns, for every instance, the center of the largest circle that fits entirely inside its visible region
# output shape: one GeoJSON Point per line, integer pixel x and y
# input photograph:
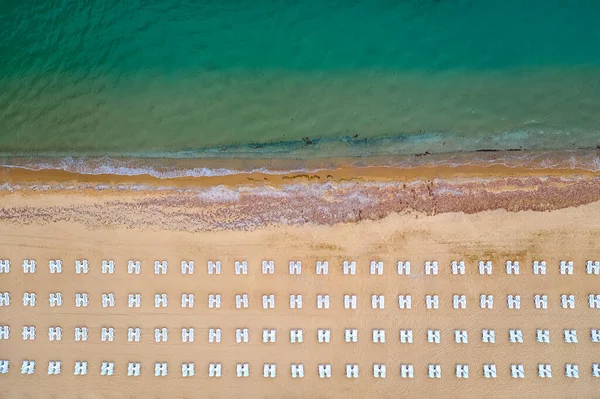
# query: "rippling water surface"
{"type": "Point", "coordinates": [297, 79]}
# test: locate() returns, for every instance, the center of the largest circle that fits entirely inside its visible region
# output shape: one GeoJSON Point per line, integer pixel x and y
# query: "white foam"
{"type": "Point", "coordinates": [587, 160]}
{"type": "Point", "coordinates": [112, 166]}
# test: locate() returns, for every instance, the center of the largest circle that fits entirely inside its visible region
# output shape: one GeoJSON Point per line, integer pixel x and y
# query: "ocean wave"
{"type": "Point", "coordinates": [176, 168]}
{"type": "Point", "coordinates": [158, 168]}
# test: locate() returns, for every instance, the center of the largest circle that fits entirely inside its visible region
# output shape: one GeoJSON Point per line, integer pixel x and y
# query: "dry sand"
{"type": "Point", "coordinates": [438, 217]}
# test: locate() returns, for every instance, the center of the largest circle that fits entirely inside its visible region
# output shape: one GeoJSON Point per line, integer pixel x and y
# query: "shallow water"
{"type": "Point", "coordinates": [303, 80]}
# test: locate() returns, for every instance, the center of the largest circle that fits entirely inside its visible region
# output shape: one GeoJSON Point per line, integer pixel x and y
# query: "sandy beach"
{"type": "Point", "coordinates": [372, 214]}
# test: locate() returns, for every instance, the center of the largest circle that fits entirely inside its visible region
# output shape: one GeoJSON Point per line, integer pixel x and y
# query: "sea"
{"type": "Point", "coordinates": [209, 87]}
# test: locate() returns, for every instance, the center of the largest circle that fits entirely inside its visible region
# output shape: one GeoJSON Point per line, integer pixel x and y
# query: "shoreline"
{"type": "Point", "coordinates": [510, 162]}
{"type": "Point", "coordinates": [250, 201]}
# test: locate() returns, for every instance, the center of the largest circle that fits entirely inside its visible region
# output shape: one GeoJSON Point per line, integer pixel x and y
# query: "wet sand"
{"type": "Point", "coordinates": [417, 215]}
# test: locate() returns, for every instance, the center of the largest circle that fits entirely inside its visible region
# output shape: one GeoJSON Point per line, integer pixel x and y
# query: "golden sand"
{"type": "Point", "coordinates": [94, 223]}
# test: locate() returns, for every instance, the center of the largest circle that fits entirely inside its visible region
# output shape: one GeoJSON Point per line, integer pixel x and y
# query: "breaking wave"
{"type": "Point", "coordinates": [174, 168]}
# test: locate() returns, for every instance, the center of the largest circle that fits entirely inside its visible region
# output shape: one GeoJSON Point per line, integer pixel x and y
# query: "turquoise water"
{"type": "Point", "coordinates": [297, 78]}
